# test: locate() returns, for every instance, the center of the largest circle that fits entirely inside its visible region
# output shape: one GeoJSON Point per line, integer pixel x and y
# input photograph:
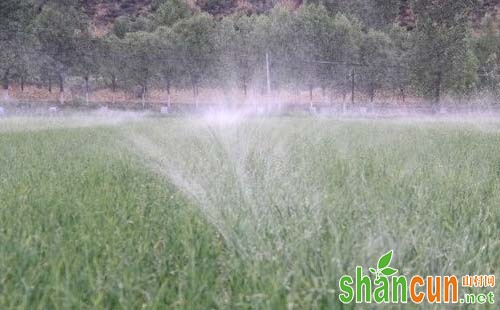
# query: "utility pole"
{"type": "Point", "coordinates": [268, 73]}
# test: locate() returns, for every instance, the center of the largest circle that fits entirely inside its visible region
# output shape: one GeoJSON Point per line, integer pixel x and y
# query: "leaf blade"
{"type": "Point", "coordinates": [385, 260]}
{"type": "Point", "coordinates": [389, 271]}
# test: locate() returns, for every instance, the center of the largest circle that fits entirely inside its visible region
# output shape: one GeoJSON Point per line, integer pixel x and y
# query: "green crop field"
{"type": "Point", "coordinates": [237, 213]}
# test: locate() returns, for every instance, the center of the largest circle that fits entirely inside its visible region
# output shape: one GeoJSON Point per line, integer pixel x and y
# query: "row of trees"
{"type": "Point", "coordinates": [319, 45]}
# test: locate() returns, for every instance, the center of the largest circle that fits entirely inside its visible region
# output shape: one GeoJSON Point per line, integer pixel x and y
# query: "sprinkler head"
{"type": "Point", "coordinates": [53, 109]}
{"type": "Point", "coordinates": [2, 111]}
{"type": "Point", "coordinates": [164, 110]}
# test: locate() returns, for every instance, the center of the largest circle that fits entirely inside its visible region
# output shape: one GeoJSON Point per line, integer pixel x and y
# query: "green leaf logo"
{"type": "Point", "coordinates": [385, 260]}
{"type": "Point", "coordinates": [382, 266]}
{"type": "Point", "coordinates": [388, 271]}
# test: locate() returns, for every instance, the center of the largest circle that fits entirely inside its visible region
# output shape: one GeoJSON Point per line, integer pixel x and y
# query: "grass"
{"type": "Point", "coordinates": [252, 214]}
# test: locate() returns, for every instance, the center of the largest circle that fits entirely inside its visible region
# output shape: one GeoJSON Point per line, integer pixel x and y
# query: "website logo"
{"type": "Point", "coordinates": [385, 286]}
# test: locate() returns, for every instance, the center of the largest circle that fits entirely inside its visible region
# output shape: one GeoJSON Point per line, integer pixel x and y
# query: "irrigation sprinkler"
{"type": "Point", "coordinates": [164, 110]}
{"type": "Point", "coordinates": [53, 109]}
{"type": "Point", "coordinates": [5, 95]}
{"type": "Point", "coordinates": [2, 111]}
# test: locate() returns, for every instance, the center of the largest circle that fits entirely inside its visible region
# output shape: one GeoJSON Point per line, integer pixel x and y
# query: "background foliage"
{"type": "Point", "coordinates": [421, 47]}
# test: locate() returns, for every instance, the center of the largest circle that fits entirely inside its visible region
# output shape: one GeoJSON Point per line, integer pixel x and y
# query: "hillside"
{"type": "Point", "coordinates": [104, 12]}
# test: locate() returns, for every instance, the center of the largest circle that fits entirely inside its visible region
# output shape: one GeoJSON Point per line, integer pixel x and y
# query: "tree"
{"type": "Point", "coordinates": [377, 54]}
{"type": "Point", "coordinates": [487, 50]}
{"type": "Point", "coordinates": [196, 45]}
{"type": "Point", "coordinates": [442, 55]}
{"type": "Point", "coordinates": [59, 27]}
{"type": "Point", "coordinates": [26, 60]}
{"type": "Point", "coordinates": [343, 52]}
{"type": "Point", "coordinates": [125, 24]}
{"type": "Point", "coordinates": [378, 14]}
{"type": "Point", "coordinates": [112, 61]}
{"type": "Point", "coordinates": [171, 11]}
{"type": "Point", "coordinates": [216, 7]}
{"type": "Point", "coordinates": [400, 77]}
{"type": "Point", "coordinates": [167, 56]}
{"type": "Point", "coordinates": [313, 27]}
{"type": "Point", "coordinates": [121, 26]}
{"type": "Point", "coordinates": [15, 38]}
{"type": "Point", "coordinates": [140, 60]}
{"type": "Point", "coordinates": [45, 71]}
{"type": "Point", "coordinates": [276, 39]}
{"type": "Point", "coordinates": [87, 60]}
{"type": "Point", "coordinates": [239, 50]}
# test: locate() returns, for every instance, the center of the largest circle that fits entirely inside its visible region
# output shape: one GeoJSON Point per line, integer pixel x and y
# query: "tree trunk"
{"type": "Point", "coordinates": [372, 97]}
{"type": "Point", "coordinates": [6, 80]}
{"type": "Point", "coordinates": [372, 93]}
{"type": "Point", "coordinates": [194, 84]}
{"type": "Point", "coordinates": [22, 83]}
{"type": "Point", "coordinates": [61, 88]}
{"type": "Point", "coordinates": [196, 92]}
{"type": "Point", "coordinates": [437, 89]}
{"type": "Point", "coordinates": [5, 83]}
{"type": "Point", "coordinates": [143, 96]}
{"type": "Point", "coordinates": [87, 89]}
{"type": "Point", "coordinates": [169, 99]}
{"type": "Point", "coordinates": [61, 83]}
{"type": "Point", "coordinates": [352, 86]}
{"type": "Point", "coordinates": [50, 84]}
{"type": "Point", "coordinates": [113, 88]}
{"type": "Point", "coordinates": [331, 95]}
{"type": "Point", "coordinates": [310, 95]}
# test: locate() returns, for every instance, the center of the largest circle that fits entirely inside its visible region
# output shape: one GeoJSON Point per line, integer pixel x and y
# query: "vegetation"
{"type": "Point", "coordinates": [126, 210]}
{"type": "Point", "coordinates": [423, 48]}
{"type": "Point", "coordinates": [87, 227]}
{"type": "Point", "coordinates": [278, 209]}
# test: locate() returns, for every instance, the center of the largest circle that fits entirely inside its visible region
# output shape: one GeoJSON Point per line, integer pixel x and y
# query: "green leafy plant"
{"type": "Point", "coordinates": [383, 269]}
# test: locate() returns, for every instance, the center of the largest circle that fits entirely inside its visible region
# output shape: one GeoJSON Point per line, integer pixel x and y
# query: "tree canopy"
{"type": "Point", "coordinates": [424, 48]}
